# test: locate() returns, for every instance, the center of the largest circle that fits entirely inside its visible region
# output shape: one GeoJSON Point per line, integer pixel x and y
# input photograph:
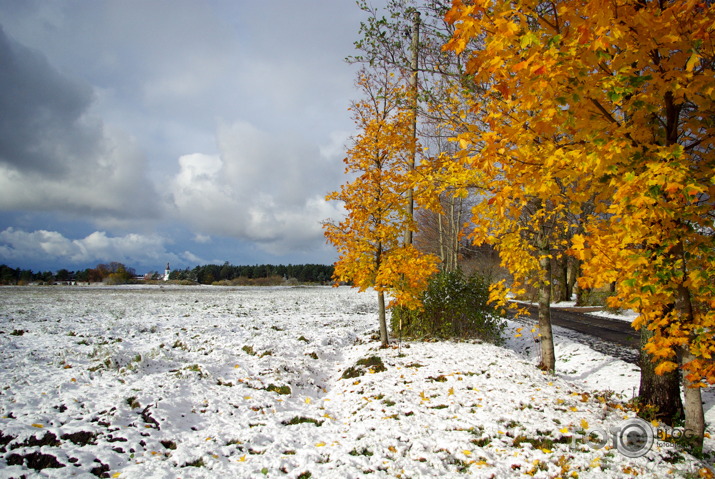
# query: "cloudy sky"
{"type": "Point", "coordinates": [181, 131]}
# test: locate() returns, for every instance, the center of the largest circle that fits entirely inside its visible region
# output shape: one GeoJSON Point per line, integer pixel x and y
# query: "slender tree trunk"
{"type": "Point", "coordinates": [452, 224]}
{"type": "Point", "coordinates": [548, 356]}
{"type": "Point", "coordinates": [382, 318]}
{"type": "Point", "coordinates": [694, 414]}
{"type": "Point", "coordinates": [442, 254]}
{"type": "Point", "coordinates": [414, 88]}
{"type": "Point", "coordinates": [560, 285]}
{"type": "Point", "coordinates": [455, 233]}
{"type": "Point", "coordinates": [661, 392]}
{"type": "Point", "coordinates": [572, 266]}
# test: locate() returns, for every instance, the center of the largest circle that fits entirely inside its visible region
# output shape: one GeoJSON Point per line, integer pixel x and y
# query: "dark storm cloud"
{"type": "Point", "coordinates": [40, 110]}
{"type": "Point", "coordinates": [55, 155]}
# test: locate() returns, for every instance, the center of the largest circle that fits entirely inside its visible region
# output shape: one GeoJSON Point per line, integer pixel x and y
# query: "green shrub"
{"type": "Point", "coordinates": [285, 390]}
{"type": "Point", "coordinates": [372, 363]}
{"type": "Point", "coordinates": [454, 306]}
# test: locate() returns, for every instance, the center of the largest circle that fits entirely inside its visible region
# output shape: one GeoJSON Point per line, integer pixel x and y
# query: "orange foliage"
{"type": "Point", "coordinates": [611, 102]}
{"type": "Point", "coordinates": [369, 238]}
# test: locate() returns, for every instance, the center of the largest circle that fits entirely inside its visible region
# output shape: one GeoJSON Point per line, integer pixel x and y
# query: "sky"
{"type": "Point", "coordinates": [180, 131]}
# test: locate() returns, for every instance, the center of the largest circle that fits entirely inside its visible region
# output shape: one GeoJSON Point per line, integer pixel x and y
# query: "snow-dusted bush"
{"type": "Point", "coordinates": [454, 306]}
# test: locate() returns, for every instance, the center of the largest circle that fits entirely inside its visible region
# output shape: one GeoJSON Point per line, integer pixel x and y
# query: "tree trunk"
{"type": "Point", "coordinates": [661, 392]}
{"type": "Point", "coordinates": [382, 318]}
{"type": "Point", "coordinates": [694, 415]}
{"type": "Point", "coordinates": [572, 274]}
{"type": "Point", "coordinates": [560, 283]}
{"type": "Point", "coordinates": [546, 338]}
{"type": "Point", "coordinates": [414, 89]}
{"type": "Point", "coordinates": [442, 254]}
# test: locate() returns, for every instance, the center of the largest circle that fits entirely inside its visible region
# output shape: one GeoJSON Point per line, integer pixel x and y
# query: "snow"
{"type": "Point", "coordinates": [166, 382]}
{"type": "Point", "coordinates": [628, 315]}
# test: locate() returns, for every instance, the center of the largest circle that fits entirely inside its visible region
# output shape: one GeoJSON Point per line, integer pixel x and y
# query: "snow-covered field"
{"type": "Point", "coordinates": [167, 382]}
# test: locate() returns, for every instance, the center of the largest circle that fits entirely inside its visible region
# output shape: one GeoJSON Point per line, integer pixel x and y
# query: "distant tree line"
{"type": "Point", "coordinates": [212, 273]}
{"type": "Point", "coordinates": [111, 273]}
{"type": "Point", "coordinates": [117, 273]}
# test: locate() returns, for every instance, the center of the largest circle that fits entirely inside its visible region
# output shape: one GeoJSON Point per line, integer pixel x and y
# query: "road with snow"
{"type": "Point", "coordinates": [609, 336]}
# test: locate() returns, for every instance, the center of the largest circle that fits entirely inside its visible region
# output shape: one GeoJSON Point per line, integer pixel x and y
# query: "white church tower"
{"type": "Point", "coordinates": [167, 272]}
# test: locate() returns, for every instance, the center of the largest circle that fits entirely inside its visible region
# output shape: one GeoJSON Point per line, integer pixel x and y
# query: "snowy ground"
{"type": "Point", "coordinates": [140, 382]}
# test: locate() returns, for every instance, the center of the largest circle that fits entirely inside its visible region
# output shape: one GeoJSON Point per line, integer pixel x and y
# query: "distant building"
{"type": "Point", "coordinates": [167, 272]}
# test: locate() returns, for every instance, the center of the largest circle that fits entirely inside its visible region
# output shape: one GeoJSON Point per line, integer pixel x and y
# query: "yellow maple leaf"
{"type": "Point", "coordinates": [694, 58]}
{"type": "Point", "coordinates": [38, 425]}
{"type": "Point", "coordinates": [450, 392]}
{"type": "Point", "coordinates": [319, 444]}
{"type": "Point", "coordinates": [584, 424]}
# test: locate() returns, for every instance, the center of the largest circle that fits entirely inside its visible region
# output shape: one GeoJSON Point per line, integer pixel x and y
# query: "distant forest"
{"type": "Point", "coordinates": [212, 273]}
{"type": "Point", "coordinates": [208, 274]}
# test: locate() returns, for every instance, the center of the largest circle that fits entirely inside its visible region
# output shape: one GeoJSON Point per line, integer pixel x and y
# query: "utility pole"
{"type": "Point", "coordinates": [414, 90]}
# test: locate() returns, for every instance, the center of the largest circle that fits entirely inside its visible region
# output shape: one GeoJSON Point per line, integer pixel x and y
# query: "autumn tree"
{"type": "Point", "coordinates": [616, 102]}
{"type": "Point", "coordinates": [369, 238]}
{"type": "Point", "coordinates": [406, 38]}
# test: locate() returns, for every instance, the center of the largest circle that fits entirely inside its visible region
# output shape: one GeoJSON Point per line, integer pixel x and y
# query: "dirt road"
{"type": "Point", "coordinates": [611, 336]}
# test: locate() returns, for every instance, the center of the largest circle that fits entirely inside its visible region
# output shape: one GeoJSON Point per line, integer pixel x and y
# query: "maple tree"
{"type": "Point", "coordinates": [368, 239]}
{"type": "Point", "coordinates": [611, 102]}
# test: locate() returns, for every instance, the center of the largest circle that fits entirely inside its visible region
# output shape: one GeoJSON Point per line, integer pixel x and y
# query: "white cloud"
{"type": "Point", "coordinates": [199, 238]}
{"type": "Point", "coordinates": [260, 188]}
{"type": "Point", "coordinates": [97, 247]}
{"type": "Point", "coordinates": [191, 258]}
